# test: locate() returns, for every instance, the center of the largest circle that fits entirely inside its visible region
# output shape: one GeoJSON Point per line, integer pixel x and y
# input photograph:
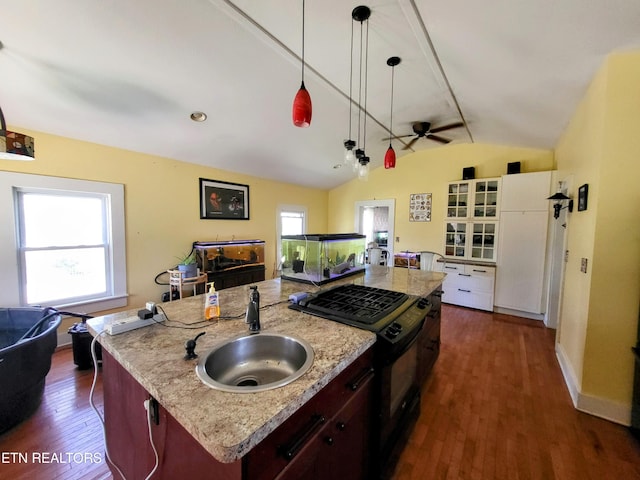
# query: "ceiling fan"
{"type": "Point", "coordinates": [424, 130]}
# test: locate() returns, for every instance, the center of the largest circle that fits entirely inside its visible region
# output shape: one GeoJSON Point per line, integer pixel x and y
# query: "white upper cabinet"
{"type": "Point", "coordinates": [471, 230]}
{"type": "Point", "coordinates": [525, 192]}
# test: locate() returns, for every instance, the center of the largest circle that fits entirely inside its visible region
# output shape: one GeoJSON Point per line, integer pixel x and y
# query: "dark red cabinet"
{"type": "Point", "coordinates": [336, 447]}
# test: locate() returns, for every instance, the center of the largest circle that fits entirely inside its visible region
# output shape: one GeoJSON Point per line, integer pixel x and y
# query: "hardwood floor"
{"type": "Point", "coordinates": [63, 439]}
{"type": "Point", "coordinates": [495, 407]}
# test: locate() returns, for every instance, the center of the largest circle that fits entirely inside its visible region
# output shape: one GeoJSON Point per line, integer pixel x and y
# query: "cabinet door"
{"type": "Point", "coordinates": [485, 198]}
{"type": "Point", "coordinates": [483, 239]}
{"type": "Point", "coordinates": [520, 272]}
{"type": "Point", "coordinates": [455, 243]}
{"type": "Point", "coordinates": [458, 200]}
{"type": "Point", "coordinates": [525, 191]}
{"type": "Point", "coordinates": [341, 447]}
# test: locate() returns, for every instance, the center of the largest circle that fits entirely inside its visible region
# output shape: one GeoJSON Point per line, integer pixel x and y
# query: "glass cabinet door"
{"type": "Point", "coordinates": [456, 239]}
{"type": "Point", "coordinates": [458, 200]}
{"type": "Point", "coordinates": [485, 200]}
{"type": "Point", "coordinates": [483, 241]}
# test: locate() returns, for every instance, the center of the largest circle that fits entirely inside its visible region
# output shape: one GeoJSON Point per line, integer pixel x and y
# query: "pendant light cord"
{"type": "Point", "coordinates": [360, 87]}
{"type": "Point", "coordinates": [366, 69]}
{"type": "Point", "coordinates": [393, 69]}
{"type": "Point", "coordinates": [302, 42]}
{"type": "Point", "coordinates": [351, 83]}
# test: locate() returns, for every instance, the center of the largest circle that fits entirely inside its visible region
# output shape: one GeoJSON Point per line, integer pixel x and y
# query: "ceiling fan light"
{"type": "Point", "coordinates": [302, 109]}
{"type": "Point", "coordinates": [390, 158]}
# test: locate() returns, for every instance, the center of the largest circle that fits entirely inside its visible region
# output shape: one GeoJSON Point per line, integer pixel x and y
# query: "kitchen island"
{"type": "Point", "coordinates": [226, 426]}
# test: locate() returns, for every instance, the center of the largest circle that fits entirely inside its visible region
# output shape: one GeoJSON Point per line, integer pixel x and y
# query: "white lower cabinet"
{"type": "Point", "coordinates": [469, 285]}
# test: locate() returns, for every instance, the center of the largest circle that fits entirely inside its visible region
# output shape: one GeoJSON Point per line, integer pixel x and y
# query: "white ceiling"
{"type": "Point", "coordinates": [129, 73]}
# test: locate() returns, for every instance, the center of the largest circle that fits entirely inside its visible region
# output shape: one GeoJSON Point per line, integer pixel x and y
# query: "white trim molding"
{"type": "Point", "coordinates": [600, 407]}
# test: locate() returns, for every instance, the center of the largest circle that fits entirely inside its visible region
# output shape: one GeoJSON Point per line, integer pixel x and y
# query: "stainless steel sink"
{"type": "Point", "coordinates": [254, 363]}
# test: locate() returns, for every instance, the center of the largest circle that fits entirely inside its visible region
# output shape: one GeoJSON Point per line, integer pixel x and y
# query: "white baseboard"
{"type": "Point", "coordinates": [600, 407]}
{"type": "Point", "coordinates": [518, 313]}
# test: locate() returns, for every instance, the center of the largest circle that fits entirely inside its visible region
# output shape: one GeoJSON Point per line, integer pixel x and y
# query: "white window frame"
{"type": "Point", "coordinates": [10, 281]}
{"type": "Point", "coordinates": [286, 208]}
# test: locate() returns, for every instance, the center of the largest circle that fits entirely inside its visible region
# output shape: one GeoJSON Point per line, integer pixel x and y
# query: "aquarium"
{"type": "Point", "coordinates": [229, 255]}
{"type": "Point", "coordinates": [320, 259]}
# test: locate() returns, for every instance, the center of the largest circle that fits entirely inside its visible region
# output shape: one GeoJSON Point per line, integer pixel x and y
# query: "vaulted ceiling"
{"type": "Point", "coordinates": [129, 73]}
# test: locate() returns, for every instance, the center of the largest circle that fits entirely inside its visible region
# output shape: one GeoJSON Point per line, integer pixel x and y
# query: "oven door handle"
{"type": "Point", "coordinates": [408, 346]}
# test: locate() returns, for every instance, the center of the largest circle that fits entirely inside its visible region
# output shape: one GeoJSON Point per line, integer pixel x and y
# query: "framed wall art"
{"type": "Point", "coordinates": [420, 207]}
{"type": "Point", "coordinates": [223, 200]}
{"type": "Point", "coordinates": [583, 194]}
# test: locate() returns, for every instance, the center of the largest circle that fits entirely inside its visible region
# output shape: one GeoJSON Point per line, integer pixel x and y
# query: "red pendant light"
{"type": "Point", "coordinates": [390, 156]}
{"type": "Point", "coordinates": [301, 112]}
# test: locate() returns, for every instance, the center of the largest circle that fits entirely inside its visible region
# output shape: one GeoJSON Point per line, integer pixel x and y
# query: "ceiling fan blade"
{"type": "Point", "coordinates": [446, 127]}
{"type": "Point", "coordinates": [410, 144]}
{"type": "Point", "coordinates": [438, 138]}
{"type": "Point", "coordinates": [386, 139]}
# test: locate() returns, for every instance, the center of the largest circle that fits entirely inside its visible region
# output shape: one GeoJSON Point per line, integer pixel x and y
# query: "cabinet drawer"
{"type": "Point", "coordinates": [467, 281]}
{"type": "Point", "coordinates": [480, 271]}
{"type": "Point", "coordinates": [468, 298]}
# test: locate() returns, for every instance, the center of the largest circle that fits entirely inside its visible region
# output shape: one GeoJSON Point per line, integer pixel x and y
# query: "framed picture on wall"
{"type": "Point", "coordinates": [223, 200]}
{"type": "Point", "coordinates": [420, 207]}
{"type": "Point", "coordinates": [583, 194]}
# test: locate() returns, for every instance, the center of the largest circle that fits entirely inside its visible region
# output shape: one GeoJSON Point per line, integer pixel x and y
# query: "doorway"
{"type": "Point", "coordinates": [376, 220]}
{"type": "Point", "coordinates": [557, 260]}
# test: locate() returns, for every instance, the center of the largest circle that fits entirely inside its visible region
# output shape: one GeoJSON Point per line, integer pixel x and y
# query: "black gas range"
{"type": "Point", "coordinates": [397, 319]}
{"type": "Point", "coordinates": [394, 316]}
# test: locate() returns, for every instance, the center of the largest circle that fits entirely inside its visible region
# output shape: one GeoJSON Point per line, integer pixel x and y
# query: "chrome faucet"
{"type": "Point", "coordinates": [253, 310]}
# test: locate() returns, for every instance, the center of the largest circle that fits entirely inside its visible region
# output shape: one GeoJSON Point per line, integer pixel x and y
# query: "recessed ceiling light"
{"type": "Point", "coordinates": [198, 116]}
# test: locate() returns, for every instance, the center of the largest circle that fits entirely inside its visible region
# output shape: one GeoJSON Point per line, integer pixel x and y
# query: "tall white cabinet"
{"type": "Point", "coordinates": [522, 240]}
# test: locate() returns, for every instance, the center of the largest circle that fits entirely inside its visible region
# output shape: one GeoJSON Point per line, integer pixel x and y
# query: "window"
{"type": "Point", "coordinates": [292, 220]}
{"type": "Point", "coordinates": [292, 223]}
{"type": "Point", "coordinates": [68, 240]}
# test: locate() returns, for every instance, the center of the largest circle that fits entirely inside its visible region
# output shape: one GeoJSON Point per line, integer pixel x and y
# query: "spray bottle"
{"type": "Point", "coordinates": [211, 303]}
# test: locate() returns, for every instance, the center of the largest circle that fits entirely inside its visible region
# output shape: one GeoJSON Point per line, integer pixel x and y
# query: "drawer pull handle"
{"type": "Point", "coordinates": [354, 384]}
{"type": "Point", "coordinates": [463, 290]}
{"type": "Point", "coordinates": [464, 274]}
{"type": "Point", "coordinates": [451, 268]}
{"type": "Point", "coordinates": [481, 271]}
{"type": "Point", "coordinates": [341, 426]}
{"type": "Point", "coordinates": [328, 441]}
{"type": "Point", "coordinates": [291, 451]}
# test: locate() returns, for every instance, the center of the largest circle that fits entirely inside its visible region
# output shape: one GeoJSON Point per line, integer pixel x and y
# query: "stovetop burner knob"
{"type": "Point", "coordinates": [423, 303]}
{"type": "Point", "coordinates": [391, 332]}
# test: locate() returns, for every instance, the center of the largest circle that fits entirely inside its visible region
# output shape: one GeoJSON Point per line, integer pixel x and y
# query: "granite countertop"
{"type": "Point", "coordinates": [226, 424]}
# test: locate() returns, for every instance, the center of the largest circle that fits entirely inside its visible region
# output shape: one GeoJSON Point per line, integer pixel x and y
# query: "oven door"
{"type": "Point", "coordinates": [399, 393]}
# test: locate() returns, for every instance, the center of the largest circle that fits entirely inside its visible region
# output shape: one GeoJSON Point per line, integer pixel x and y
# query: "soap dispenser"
{"type": "Point", "coordinates": [211, 304]}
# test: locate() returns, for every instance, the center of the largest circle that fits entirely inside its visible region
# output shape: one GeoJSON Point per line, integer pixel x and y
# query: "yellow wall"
{"type": "Point", "coordinates": [600, 311]}
{"type": "Point", "coordinates": [162, 204]}
{"type": "Point", "coordinates": [427, 171]}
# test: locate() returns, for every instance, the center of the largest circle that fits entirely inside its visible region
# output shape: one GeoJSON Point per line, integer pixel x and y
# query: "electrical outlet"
{"type": "Point", "coordinates": [583, 265]}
